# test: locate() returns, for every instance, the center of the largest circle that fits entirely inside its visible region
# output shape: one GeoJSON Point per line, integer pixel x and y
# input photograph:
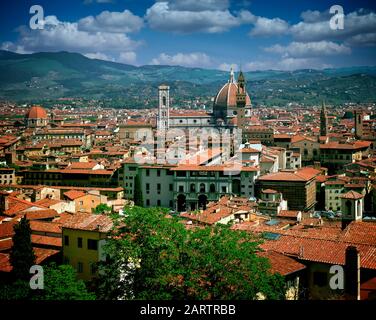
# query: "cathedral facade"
{"type": "Point", "coordinates": [231, 107]}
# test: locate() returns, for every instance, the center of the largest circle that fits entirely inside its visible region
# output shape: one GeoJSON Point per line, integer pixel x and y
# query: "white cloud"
{"type": "Point", "coordinates": [194, 59]}
{"type": "Point", "coordinates": [228, 66]}
{"type": "Point", "coordinates": [99, 55]}
{"type": "Point", "coordinates": [269, 27]}
{"type": "Point", "coordinates": [128, 57]}
{"type": "Point", "coordinates": [58, 35]}
{"type": "Point", "coordinates": [162, 17]}
{"type": "Point", "coordinates": [286, 64]}
{"type": "Point", "coordinates": [365, 39]}
{"type": "Point", "coordinates": [309, 49]}
{"type": "Point", "coordinates": [355, 24]}
{"type": "Point", "coordinates": [106, 21]}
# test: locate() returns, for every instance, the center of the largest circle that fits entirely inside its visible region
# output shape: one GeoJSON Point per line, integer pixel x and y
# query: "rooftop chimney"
{"type": "Point", "coordinates": [352, 273]}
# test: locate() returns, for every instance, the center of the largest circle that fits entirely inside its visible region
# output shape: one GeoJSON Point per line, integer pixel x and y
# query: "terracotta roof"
{"type": "Point", "coordinates": [37, 112]}
{"type": "Point", "coordinates": [209, 216]}
{"type": "Point", "coordinates": [6, 244]}
{"type": "Point", "coordinates": [304, 174]}
{"type": "Point", "coordinates": [319, 250]}
{"type": "Point", "coordinates": [288, 213]}
{"type": "Point", "coordinates": [41, 254]}
{"type": "Point", "coordinates": [47, 202]}
{"type": "Point", "coordinates": [42, 226]}
{"type": "Point", "coordinates": [360, 232]}
{"type": "Point", "coordinates": [74, 194]}
{"type": "Point", "coordinates": [282, 264]}
{"type": "Point", "coordinates": [41, 214]}
{"type": "Point", "coordinates": [226, 97]}
{"type": "Point", "coordinates": [82, 165]}
{"type": "Point", "coordinates": [44, 240]}
{"type": "Point", "coordinates": [352, 195]}
{"type": "Point", "coordinates": [6, 229]}
{"type": "Point", "coordinates": [357, 145]}
{"type": "Point", "coordinates": [89, 222]}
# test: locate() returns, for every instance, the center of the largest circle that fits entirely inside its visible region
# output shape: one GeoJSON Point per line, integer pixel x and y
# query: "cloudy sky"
{"type": "Point", "coordinates": [253, 34]}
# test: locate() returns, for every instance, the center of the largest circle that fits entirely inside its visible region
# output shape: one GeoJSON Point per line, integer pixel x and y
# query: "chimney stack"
{"type": "Point", "coordinates": [352, 273]}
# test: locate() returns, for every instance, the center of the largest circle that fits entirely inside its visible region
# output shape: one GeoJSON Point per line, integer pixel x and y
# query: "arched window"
{"type": "Point", "coordinates": [202, 187]}
{"type": "Point", "coordinates": [193, 187]}
{"type": "Point", "coordinates": [212, 188]}
{"type": "Point", "coordinates": [164, 101]}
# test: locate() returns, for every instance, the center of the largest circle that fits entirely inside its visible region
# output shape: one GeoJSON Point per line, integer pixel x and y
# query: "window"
{"type": "Point", "coordinates": [212, 188]}
{"type": "Point", "coordinates": [147, 202]}
{"type": "Point", "coordinates": [171, 187]}
{"type": "Point", "coordinates": [80, 267]}
{"type": "Point", "coordinates": [224, 189]}
{"type": "Point", "coordinates": [158, 203]}
{"type": "Point", "coordinates": [320, 279]}
{"type": "Point", "coordinates": [193, 187]}
{"type": "Point", "coordinates": [147, 172]}
{"type": "Point", "coordinates": [66, 240]}
{"type": "Point", "coordinates": [171, 203]}
{"type": "Point", "coordinates": [202, 187]}
{"type": "Point", "coordinates": [147, 187]}
{"type": "Point", "coordinates": [92, 244]}
{"type": "Point", "coordinates": [79, 242]}
{"type": "Point", "coordinates": [158, 173]}
{"type": "Point", "coordinates": [159, 187]}
{"type": "Point", "coordinates": [81, 203]}
{"type": "Point", "coordinates": [181, 188]}
{"type": "Point", "coordinates": [93, 268]}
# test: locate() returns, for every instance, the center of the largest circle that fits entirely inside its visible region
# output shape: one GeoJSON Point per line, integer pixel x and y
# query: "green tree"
{"type": "Point", "coordinates": [137, 196]}
{"type": "Point", "coordinates": [102, 208]}
{"type": "Point", "coordinates": [153, 256]}
{"type": "Point", "coordinates": [61, 283]}
{"type": "Point", "coordinates": [22, 256]}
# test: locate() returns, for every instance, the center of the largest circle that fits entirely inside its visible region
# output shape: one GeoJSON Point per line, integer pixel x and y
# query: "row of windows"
{"type": "Point", "coordinates": [159, 203]}
{"type": "Point", "coordinates": [168, 172]}
{"type": "Point", "coordinates": [202, 188]}
{"type": "Point", "coordinates": [91, 243]}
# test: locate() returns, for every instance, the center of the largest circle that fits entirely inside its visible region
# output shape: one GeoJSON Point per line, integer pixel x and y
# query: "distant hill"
{"type": "Point", "coordinates": [46, 76]}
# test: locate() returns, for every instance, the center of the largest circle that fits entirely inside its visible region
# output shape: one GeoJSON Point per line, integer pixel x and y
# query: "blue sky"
{"type": "Point", "coordinates": [253, 34]}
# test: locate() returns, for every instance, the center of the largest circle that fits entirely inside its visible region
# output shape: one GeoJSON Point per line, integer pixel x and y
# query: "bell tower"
{"type": "Point", "coordinates": [163, 120]}
{"type": "Point", "coordinates": [358, 118]}
{"type": "Point", "coordinates": [241, 97]}
{"type": "Point", "coordinates": [323, 121]}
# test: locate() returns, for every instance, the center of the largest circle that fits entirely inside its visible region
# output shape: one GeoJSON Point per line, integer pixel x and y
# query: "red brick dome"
{"type": "Point", "coordinates": [37, 112]}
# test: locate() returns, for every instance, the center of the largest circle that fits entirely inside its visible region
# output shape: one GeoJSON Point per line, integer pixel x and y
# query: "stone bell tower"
{"type": "Point", "coordinates": [163, 119]}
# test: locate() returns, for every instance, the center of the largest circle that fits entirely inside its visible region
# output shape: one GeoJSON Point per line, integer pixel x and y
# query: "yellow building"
{"type": "Point", "coordinates": [83, 238]}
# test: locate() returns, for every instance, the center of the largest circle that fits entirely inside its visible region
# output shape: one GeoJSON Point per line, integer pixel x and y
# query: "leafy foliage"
{"type": "Point", "coordinates": [60, 283]}
{"type": "Point", "coordinates": [102, 208]}
{"type": "Point", "coordinates": [155, 257]}
{"type": "Point", "coordinates": [22, 256]}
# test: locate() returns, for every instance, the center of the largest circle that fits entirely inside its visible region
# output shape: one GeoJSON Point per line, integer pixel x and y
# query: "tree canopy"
{"type": "Point", "coordinates": [22, 256]}
{"type": "Point", "coordinates": [154, 256]}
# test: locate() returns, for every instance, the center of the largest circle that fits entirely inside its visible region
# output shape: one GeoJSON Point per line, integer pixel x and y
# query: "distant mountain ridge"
{"type": "Point", "coordinates": [50, 75]}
